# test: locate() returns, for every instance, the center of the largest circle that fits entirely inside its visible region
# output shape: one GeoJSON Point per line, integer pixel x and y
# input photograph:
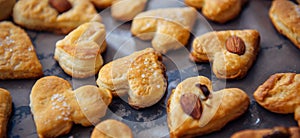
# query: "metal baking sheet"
{"type": "Point", "coordinates": [277, 54]}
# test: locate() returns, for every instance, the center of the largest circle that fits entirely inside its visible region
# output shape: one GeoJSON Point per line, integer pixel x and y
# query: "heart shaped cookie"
{"type": "Point", "coordinates": [112, 129]}
{"type": "Point", "coordinates": [194, 109]}
{"type": "Point", "coordinates": [168, 28]}
{"type": "Point", "coordinates": [59, 16]}
{"type": "Point", "coordinates": [79, 52]}
{"type": "Point", "coordinates": [18, 59]}
{"type": "Point", "coordinates": [231, 52]}
{"type": "Point", "coordinates": [218, 10]}
{"type": "Point", "coordinates": [55, 107]}
{"type": "Point", "coordinates": [285, 16]}
{"type": "Point", "coordinates": [280, 94]}
{"type": "Point", "coordinates": [5, 111]}
{"type": "Point", "coordinates": [276, 132]}
{"type": "Point", "coordinates": [141, 75]}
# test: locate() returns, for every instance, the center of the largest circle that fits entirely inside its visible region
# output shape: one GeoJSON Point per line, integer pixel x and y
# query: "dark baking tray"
{"type": "Point", "coordinates": [277, 54]}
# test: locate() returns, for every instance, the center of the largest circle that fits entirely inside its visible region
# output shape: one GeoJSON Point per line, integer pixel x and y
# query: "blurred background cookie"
{"type": "Point", "coordinates": [6, 7]}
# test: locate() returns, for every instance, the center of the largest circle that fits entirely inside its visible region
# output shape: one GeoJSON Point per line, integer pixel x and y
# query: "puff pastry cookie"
{"type": "Point", "coordinates": [18, 59]}
{"type": "Point", "coordinates": [194, 109]}
{"type": "Point", "coordinates": [6, 7]}
{"type": "Point", "coordinates": [276, 132]}
{"type": "Point", "coordinates": [280, 94]}
{"type": "Point", "coordinates": [141, 75]}
{"type": "Point", "coordinates": [231, 52]}
{"type": "Point", "coordinates": [79, 52]}
{"type": "Point", "coordinates": [168, 28]}
{"type": "Point", "coordinates": [112, 129]}
{"type": "Point", "coordinates": [285, 16]}
{"type": "Point", "coordinates": [5, 110]}
{"type": "Point", "coordinates": [42, 16]}
{"type": "Point", "coordinates": [218, 10]}
{"type": "Point", "coordinates": [55, 107]}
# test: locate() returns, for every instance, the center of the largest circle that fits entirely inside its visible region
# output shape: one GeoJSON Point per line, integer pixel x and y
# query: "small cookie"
{"type": "Point", "coordinates": [102, 4]}
{"type": "Point", "coordinates": [18, 59]}
{"type": "Point", "coordinates": [168, 28]}
{"type": "Point", "coordinates": [5, 111]}
{"type": "Point", "coordinates": [111, 129]}
{"type": "Point", "coordinates": [194, 109]}
{"type": "Point", "coordinates": [55, 107]}
{"type": "Point", "coordinates": [285, 16]}
{"type": "Point", "coordinates": [231, 52]}
{"type": "Point", "coordinates": [79, 52]}
{"type": "Point", "coordinates": [141, 75]}
{"type": "Point", "coordinates": [276, 132]}
{"type": "Point", "coordinates": [280, 94]}
{"type": "Point", "coordinates": [6, 7]}
{"type": "Point", "coordinates": [126, 10]}
{"type": "Point", "coordinates": [59, 16]}
{"type": "Point", "coordinates": [220, 11]}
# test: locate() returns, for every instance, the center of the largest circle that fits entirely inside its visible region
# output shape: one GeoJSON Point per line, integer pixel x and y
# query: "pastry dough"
{"type": "Point", "coordinates": [141, 75]}
{"type": "Point", "coordinates": [6, 7]}
{"type": "Point", "coordinates": [168, 28]}
{"type": "Point", "coordinates": [218, 10]}
{"type": "Point", "coordinates": [218, 108]}
{"type": "Point", "coordinates": [285, 16]}
{"type": "Point", "coordinates": [18, 59]}
{"type": "Point", "coordinates": [5, 111]}
{"type": "Point", "coordinates": [79, 52]}
{"type": "Point", "coordinates": [280, 94]}
{"type": "Point", "coordinates": [292, 132]}
{"type": "Point", "coordinates": [126, 10]}
{"type": "Point", "coordinates": [111, 129]}
{"type": "Point", "coordinates": [39, 15]}
{"type": "Point", "coordinates": [226, 65]}
{"type": "Point", "coordinates": [55, 106]}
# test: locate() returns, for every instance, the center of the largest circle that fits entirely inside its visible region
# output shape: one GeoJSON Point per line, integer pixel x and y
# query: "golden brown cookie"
{"type": "Point", "coordinates": [101, 4]}
{"type": "Point", "coordinates": [218, 10]}
{"type": "Point", "coordinates": [6, 7]}
{"type": "Point", "coordinates": [61, 17]}
{"type": "Point", "coordinates": [231, 52]}
{"type": "Point", "coordinates": [55, 106]}
{"type": "Point", "coordinates": [285, 16]}
{"type": "Point", "coordinates": [168, 28]}
{"type": "Point", "coordinates": [79, 52]}
{"type": "Point", "coordinates": [280, 94]}
{"type": "Point", "coordinates": [18, 59]}
{"type": "Point", "coordinates": [5, 111]}
{"type": "Point", "coordinates": [194, 109]}
{"type": "Point", "coordinates": [111, 129]}
{"type": "Point", "coordinates": [126, 10]}
{"type": "Point", "coordinates": [141, 75]}
{"type": "Point", "coordinates": [276, 132]}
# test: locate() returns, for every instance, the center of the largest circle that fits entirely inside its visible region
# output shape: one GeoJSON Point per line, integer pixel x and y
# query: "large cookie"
{"type": "Point", "coordinates": [280, 94]}
{"type": "Point", "coordinates": [194, 109]}
{"type": "Point", "coordinates": [18, 59]}
{"type": "Point", "coordinates": [5, 111]}
{"type": "Point", "coordinates": [141, 75]}
{"type": "Point", "coordinates": [231, 52]}
{"type": "Point", "coordinates": [168, 28]}
{"type": "Point", "coordinates": [62, 16]}
{"type": "Point", "coordinates": [79, 53]}
{"type": "Point", "coordinates": [55, 107]}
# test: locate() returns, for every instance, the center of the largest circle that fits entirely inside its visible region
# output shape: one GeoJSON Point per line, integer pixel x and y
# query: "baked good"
{"type": "Point", "coordinates": [101, 4]}
{"type": "Point", "coordinates": [18, 59]}
{"type": "Point", "coordinates": [5, 111]}
{"type": "Point", "coordinates": [168, 28]}
{"type": "Point", "coordinates": [220, 11]}
{"type": "Point", "coordinates": [55, 107]}
{"type": "Point", "coordinates": [276, 132]}
{"type": "Point", "coordinates": [79, 52]}
{"type": "Point", "coordinates": [140, 75]}
{"type": "Point", "coordinates": [126, 10]}
{"type": "Point", "coordinates": [6, 7]}
{"type": "Point", "coordinates": [280, 94]}
{"type": "Point", "coordinates": [112, 129]}
{"type": "Point", "coordinates": [59, 16]}
{"type": "Point", "coordinates": [285, 17]}
{"type": "Point", "coordinates": [231, 52]}
{"type": "Point", "coordinates": [194, 109]}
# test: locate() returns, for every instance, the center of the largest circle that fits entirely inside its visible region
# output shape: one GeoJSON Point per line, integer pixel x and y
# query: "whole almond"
{"type": "Point", "coordinates": [235, 45]}
{"type": "Point", "coordinates": [191, 105]}
{"type": "Point", "coordinates": [60, 5]}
